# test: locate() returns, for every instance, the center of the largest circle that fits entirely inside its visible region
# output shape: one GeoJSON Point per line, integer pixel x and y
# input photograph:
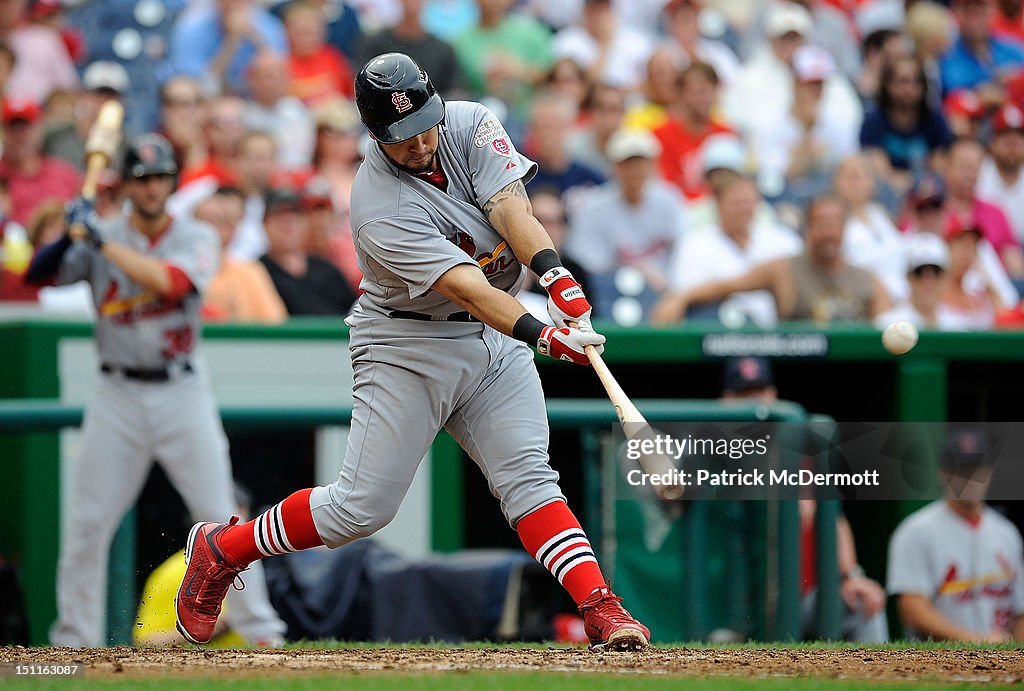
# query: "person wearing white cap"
{"type": "Point", "coordinates": [763, 88]}
{"type": "Point", "coordinates": [634, 220]}
{"type": "Point", "coordinates": [834, 30]}
{"type": "Point", "coordinates": [927, 267]}
{"type": "Point", "coordinates": [799, 150]}
{"type": "Point", "coordinates": [102, 81]}
{"type": "Point", "coordinates": [724, 159]}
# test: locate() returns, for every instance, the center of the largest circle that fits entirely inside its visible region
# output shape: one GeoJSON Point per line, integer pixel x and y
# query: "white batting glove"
{"type": "Point", "coordinates": [566, 343]}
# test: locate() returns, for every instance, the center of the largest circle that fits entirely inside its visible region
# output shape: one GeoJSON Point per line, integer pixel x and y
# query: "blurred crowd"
{"type": "Point", "coordinates": [727, 160]}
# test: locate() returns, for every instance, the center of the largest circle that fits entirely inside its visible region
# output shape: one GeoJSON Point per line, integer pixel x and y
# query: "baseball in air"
{"type": "Point", "coordinates": [899, 337]}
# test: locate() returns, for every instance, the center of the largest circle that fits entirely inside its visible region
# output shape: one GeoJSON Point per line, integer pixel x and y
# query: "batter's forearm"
{"type": "Point", "coordinates": [149, 272]}
{"type": "Point", "coordinates": [467, 287]}
{"type": "Point", "coordinates": [494, 307]}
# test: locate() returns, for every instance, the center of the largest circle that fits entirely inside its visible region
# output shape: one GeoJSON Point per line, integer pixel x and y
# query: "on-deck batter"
{"type": "Point", "coordinates": [442, 228]}
{"type": "Point", "coordinates": [152, 400]}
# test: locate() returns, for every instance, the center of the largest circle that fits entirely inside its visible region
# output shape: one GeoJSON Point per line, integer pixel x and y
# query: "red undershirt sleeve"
{"type": "Point", "coordinates": [181, 284]}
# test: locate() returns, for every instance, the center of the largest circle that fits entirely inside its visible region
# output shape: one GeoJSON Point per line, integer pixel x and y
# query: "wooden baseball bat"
{"type": "Point", "coordinates": [100, 149]}
{"type": "Point", "coordinates": [635, 426]}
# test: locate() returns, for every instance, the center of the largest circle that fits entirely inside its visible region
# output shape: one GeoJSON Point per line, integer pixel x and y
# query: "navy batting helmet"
{"type": "Point", "coordinates": [149, 154]}
{"type": "Point", "coordinates": [396, 99]}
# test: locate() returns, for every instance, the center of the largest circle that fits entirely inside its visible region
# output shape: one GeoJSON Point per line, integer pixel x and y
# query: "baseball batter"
{"type": "Point", "coordinates": [146, 271]}
{"type": "Point", "coordinates": [444, 230]}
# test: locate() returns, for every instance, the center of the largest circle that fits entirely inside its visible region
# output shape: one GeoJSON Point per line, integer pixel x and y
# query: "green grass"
{"type": "Point", "coordinates": [480, 681]}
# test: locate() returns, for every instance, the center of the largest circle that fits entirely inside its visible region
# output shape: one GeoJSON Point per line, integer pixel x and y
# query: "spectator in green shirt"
{"type": "Point", "coordinates": [504, 55]}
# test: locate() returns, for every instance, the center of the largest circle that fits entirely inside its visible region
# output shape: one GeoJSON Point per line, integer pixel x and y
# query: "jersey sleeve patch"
{"type": "Point", "coordinates": [488, 132]}
{"type": "Point", "coordinates": [502, 147]}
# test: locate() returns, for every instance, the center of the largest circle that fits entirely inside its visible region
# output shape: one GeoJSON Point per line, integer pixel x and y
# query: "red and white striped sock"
{"type": "Point", "coordinates": [554, 537]}
{"type": "Point", "coordinates": [285, 527]}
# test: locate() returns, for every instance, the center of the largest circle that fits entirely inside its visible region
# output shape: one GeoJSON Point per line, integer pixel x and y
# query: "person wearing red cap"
{"type": "Point", "coordinates": [33, 177]}
{"type": "Point", "coordinates": [1001, 180]}
{"type": "Point", "coordinates": [966, 112]}
{"type": "Point", "coordinates": [963, 166]}
{"type": "Point", "coordinates": [969, 305]}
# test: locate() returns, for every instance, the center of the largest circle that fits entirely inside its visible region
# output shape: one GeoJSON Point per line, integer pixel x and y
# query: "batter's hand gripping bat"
{"type": "Point", "coordinates": [100, 149]}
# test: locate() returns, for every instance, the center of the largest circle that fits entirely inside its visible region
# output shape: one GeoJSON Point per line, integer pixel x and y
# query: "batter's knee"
{"type": "Point", "coordinates": [340, 521]}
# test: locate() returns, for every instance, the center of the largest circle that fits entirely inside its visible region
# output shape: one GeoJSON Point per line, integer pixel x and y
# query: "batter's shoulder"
{"type": "Point", "coordinates": [468, 116]}
{"type": "Point", "coordinates": [191, 227]}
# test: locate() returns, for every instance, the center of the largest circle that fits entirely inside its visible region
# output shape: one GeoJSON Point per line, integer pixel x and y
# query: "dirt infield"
{"type": "Point", "coordinates": [1005, 666]}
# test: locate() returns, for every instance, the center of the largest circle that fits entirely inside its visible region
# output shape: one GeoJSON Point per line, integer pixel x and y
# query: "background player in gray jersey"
{"type": "Point", "coordinates": [956, 567]}
{"type": "Point", "coordinates": [146, 271]}
{"type": "Point", "coordinates": [443, 231]}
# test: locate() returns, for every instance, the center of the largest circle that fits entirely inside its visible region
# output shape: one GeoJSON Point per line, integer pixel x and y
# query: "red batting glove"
{"type": "Point", "coordinates": [566, 302]}
{"type": "Point", "coordinates": [568, 344]}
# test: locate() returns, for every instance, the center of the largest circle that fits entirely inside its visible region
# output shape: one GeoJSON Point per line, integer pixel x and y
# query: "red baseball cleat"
{"type": "Point", "coordinates": [609, 626]}
{"type": "Point", "coordinates": [208, 575]}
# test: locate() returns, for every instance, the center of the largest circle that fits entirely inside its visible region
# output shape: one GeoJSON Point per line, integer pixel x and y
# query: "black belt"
{"type": "Point", "coordinates": [158, 374]}
{"type": "Point", "coordinates": [419, 316]}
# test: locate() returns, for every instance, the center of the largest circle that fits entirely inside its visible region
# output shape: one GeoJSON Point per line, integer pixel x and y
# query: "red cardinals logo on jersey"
{"type": "Point", "coordinates": [502, 147]}
{"type": "Point", "coordinates": [465, 242]}
{"type": "Point", "coordinates": [401, 101]}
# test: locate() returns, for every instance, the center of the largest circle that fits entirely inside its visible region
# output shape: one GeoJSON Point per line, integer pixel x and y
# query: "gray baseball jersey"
{"type": "Point", "coordinates": [408, 232]}
{"type": "Point", "coordinates": [413, 377]}
{"type": "Point", "coordinates": [136, 327]}
{"type": "Point", "coordinates": [974, 574]}
{"type": "Point", "coordinates": [130, 422]}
